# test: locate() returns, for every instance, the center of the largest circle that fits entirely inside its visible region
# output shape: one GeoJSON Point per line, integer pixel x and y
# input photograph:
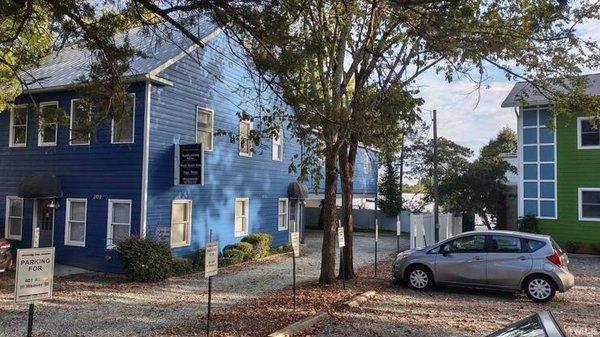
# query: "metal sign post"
{"type": "Point", "coordinates": [342, 244]}
{"type": "Point", "coordinates": [376, 239]}
{"type": "Point", "coordinates": [296, 247]}
{"type": "Point", "coordinates": [398, 229]}
{"type": "Point", "coordinates": [211, 268]}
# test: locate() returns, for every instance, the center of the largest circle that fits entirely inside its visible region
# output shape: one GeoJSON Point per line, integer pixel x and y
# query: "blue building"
{"type": "Point", "coordinates": [85, 193]}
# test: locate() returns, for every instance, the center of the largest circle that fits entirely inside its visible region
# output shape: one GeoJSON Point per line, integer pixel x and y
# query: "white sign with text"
{"type": "Point", "coordinates": [296, 243]}
{"type": "Point", "coordinates": [35, 274]}
{"type": "Point", "coordinates": [398, 225]}
{"type": "Point", "coordinates": [341, 238]}
{"type": "Point", "coordinates": [211, 259]}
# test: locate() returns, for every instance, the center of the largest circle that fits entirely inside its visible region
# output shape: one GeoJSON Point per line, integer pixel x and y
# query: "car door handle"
{"type": "Point", "coordinates": [522, 258]}
{"type": "Point", "coordinates": [477, 258]}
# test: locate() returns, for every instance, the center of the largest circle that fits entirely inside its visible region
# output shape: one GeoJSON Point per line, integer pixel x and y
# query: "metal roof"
{"type": "Point", "coordinates": [524, 93]}
{"type": "Point", "coordinates": [69, 64]}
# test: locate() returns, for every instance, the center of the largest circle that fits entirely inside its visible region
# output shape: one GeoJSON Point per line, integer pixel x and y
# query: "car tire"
{"type": "Point", "coordinates": [419, 277]}
{"type": "Point", "coordinates": [540, 288]}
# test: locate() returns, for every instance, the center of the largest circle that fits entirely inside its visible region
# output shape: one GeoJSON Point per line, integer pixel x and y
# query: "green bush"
{"type": "Point", "coordinates": [145, 260]}
{"type": "Point", "coordinates": [261, 242]}
{"type": "Point", "coordinates": [284, 248]}
{"type": "Point", "coordinates": [529, 224]}
{"type": "Point", "coordinates": [181, 267]}
{"type": "Point", "coordinates": [198, 259]}
{"type": "Point", "coordinates": [237, 253]}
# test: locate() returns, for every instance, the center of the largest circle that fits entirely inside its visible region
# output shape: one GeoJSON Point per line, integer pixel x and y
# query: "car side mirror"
{"type": "Point", "coordinates": [445, 250]}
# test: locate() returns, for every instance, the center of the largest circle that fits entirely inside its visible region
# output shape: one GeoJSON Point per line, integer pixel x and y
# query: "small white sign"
{"type": "Point", "coordinates": [211, 259]}
{"type": "Point", "coordinates": [341, 237]}
{"type": "Point", "coordinates": [376, 230]}
{"type": "Point", "coordinates": [296, 243]}
{"type": "Point", "coordinates": [398, 226]}
{"type": "Point", "coordinates": [36, 237]}
{"type": "Point", "coordinates": [35, 274]}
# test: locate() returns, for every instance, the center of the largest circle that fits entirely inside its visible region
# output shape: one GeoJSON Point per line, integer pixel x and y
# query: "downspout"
{"type": "Point", "coordinates": [145, 157]}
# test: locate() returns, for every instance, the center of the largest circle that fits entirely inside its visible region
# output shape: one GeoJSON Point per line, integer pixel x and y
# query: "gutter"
{"type": "Point", "coordinates": [135, 78]}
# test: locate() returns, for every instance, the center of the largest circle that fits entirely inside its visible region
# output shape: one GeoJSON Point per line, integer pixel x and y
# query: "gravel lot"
{"type": "Point", "coordinates": [103, 305]}
{"type": "Point", "coordinates": [447, 312]}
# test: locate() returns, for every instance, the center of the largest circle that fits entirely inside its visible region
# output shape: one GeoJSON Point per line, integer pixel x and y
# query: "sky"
{"type": "Point", "coordinates": [470, 118]}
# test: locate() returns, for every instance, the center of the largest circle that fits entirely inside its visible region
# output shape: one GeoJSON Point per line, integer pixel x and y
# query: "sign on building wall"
{"type": "Point", "coordinates": [35, 273]}
{"type": "Point", "coordinates": [211, 259]}
{"type": "Point", "coordinates": [189, 164]}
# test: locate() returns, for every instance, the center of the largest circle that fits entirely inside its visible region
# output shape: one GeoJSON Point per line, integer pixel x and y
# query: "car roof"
{"type": "Point", "coordinates": [503, 232]}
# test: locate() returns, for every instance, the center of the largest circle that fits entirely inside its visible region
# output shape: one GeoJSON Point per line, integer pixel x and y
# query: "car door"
{"type": "Point", "coordinates": [507, 262]}
{"type": "Point", "coordinates": [462, 261]}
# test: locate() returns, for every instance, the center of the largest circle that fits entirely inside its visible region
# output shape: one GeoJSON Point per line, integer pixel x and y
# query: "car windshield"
{"type": "Point", "coordinates": [529, 327]}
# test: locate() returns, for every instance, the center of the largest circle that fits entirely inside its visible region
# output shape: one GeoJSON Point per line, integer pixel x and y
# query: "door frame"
{"type": "Point", "coordinates": [35, 219]}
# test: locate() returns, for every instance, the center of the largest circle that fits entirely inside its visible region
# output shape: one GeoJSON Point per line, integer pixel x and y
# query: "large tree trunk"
{"type": "Point", "coordinates": [329, 226]}
{"type": "Point", "coordinates": [347, 161]}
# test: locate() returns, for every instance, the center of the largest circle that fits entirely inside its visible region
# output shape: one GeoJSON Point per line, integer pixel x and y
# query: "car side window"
{"type": "Point", "coordinates": [534, 245]}
{"type": "Point", "coordinates": [466, 244]}
{"type": "Point", "coordinates": [505, 244]}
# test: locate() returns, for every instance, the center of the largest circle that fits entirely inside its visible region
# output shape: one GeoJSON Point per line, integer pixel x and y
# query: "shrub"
{"type": "Point", "coordinates": [261, 242]}
{"type": "Point", "coordinates": [529, 224]}
{"type": "Point", "coordinates": [239, 252]}
{"type": "Point", "coordinates": [198, 259]}
{"type": "Point", "coordinates": [284, 248]}
{"type": "Point", "coordinates": [145, 260]}
{"type": "Point", "coordinates": [181, 267]}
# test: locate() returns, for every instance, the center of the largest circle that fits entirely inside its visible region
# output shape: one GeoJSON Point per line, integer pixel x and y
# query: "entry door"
{"type": "Point", "coordinates": [45, 221]}
{"type": "Point", "coordinates": [462, 261]}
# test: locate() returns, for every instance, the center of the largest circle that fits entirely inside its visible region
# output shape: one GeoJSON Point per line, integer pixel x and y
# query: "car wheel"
{"type": "Point", "coordinates": [419, 278]}
{"type": "Point", "coordinates": [540, 289]}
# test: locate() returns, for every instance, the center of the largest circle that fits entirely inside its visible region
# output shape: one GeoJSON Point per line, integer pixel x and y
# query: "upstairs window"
{"type": "Point", "coordinates": [79, 121]}
{"type": "Point", "coordinates": [48, 124]}
{"type": "Point", "coordinates": [119, 221]}
{"type": "Point", "coordinates": [245, 143]}
{"type": "Point", "coordinates": [588, 135]}
{"type": "Point", "coordinates": [589, 204]}
{"type": "Point", "coordinates": [204, 128]}
{"type": "Point", "coordinates": [181, 223]}
{"type": "Point", "coordinates": [122, 130]}
{"type": "Point", "coordinates": [278, 146]}
{"type": "Point", "coordinates": [242, 206]}
{"type": "Point", "coordinates": [18, 126]}
{"type": "Point", "coordinates": [13, 226]}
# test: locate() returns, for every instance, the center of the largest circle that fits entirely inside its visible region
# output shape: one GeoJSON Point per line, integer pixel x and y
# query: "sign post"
{"type": "Point", "coordinates": [376, 239]}
{"type": "Point", "coordinates": [211, 267]}
{"type": "Point", "coordinates": [342, 244]}
{"type": "Point", "coordinates": [34, 278]}
{"type": "Point", "coordinates": [296, 247]}
{"type": "Point", "coordinates": [398, 229]}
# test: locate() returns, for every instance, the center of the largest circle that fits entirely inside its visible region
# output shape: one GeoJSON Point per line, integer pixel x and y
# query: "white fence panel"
{"type": "Point", "coordinates": [422, 228]}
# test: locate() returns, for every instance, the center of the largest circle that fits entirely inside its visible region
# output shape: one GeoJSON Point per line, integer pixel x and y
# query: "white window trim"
{"type": "Point", "coordinates": [69, 242]}
{"type": "Point", "coordinates": [112, 125]}
{"type": "Point", "coordinates": [40, 138]}
{"type": "Point", "coordinates": [579, 145]}
{"type": "Point", "coordinates": [247, 206]}
{"type": "Point", "coordinates": [109, 233]}
{"type": "Point", "coordinates": [188, 240]}
{"type": "Point", "coordinates": [71, 125]}
{"type": "Point", "coordinates": [286, 225]}
{"type": "Point", "coordinates": [249, 154]}
{"type": "Point", "coordinates": [278, 141]}
{"type": "Point", "coordinates": [6, 229]}
{"type": "Point", "coordinates": [12, 124]}
{"type": "Point", "coordinates": [580, 202]}
{"type": "Point", "coordinates": [212, 124]}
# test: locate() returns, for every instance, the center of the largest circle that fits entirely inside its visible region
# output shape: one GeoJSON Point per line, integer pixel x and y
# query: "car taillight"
{"type": "Point", "coordinates": [555, 259]}
{"type": "Point", "coordinates": [5, 246]}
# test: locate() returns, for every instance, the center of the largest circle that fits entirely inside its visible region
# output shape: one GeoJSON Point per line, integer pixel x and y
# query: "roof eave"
{"type": "Point", "coordinates": [132, 79]}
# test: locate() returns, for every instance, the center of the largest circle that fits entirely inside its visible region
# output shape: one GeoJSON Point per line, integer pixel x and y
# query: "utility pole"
{"type": "Point", "coordinates": [436, 210]}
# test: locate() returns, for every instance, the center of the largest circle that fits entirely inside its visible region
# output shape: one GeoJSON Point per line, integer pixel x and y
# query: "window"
{"type": "Point", "coordinates": [18, 126]}
{"type": "Point", "coordinates": [589, 204]}
{"type": "Point", "coordinates": [48, 124]}
{"type": "Point", "coordinates": [75, 222]}
{"type": "Point", "coordinates": [278, 145]}
{"type": "Point", "coordinates": [282, 219]}
{"type": "Point", "coordinates": [204, 128]}
{"type": "Point", "coordinates": [505, 244]}
{"type": "Point", "coordinates": [245, 146]}
{"type": "Point", "coordinates": [241, 216]}
{"type": "Point", "coordinates": [80, 120]}
{"type": "Point", "coordinates": [181, 224]}
{"type": "Point", "coordinates": [467, 244]}
{"type": "Point", "coordinates": [588, 134]}
{"type": "Point", "coordinates": [122, 131]}
{"type": "Point", "coordinates": [534, 245]}
{"type": "Point", "coordinates": [119, 221]}
{"type": "Point", "coordinates": [14, 218]}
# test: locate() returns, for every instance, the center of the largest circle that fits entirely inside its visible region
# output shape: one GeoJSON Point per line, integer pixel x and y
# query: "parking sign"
{"type": "Point", "coordinates": [35, 274]}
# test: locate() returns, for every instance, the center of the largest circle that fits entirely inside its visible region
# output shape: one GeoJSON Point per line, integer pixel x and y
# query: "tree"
{"type": "Point", "coordinates": [391, 201]}
{"type": "Point", "coordinates": [504, 142]}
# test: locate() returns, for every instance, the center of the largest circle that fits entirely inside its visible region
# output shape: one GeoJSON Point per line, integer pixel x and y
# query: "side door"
{"type": "Point", "coordinates": [462, 261]}
{"type": "Point", "coordinates": [508, 262]}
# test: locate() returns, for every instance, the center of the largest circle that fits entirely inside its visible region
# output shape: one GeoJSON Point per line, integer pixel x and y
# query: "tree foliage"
{"type": "Point", "coordinates": [389, 186]}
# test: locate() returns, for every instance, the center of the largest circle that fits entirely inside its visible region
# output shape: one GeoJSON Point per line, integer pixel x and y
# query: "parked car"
{"type": "Point", "coordinates": [5, 255]}
{"type": "Point", "coordinates": [542, 324]}
{"type": "Point", "coordinates": [502, 260]}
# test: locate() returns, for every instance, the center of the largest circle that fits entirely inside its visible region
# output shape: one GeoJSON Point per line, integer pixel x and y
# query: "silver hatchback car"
{"type": "Point", "coordinates": [501, 260]}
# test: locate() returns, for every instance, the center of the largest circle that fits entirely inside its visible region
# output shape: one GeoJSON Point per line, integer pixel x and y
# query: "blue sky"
{"type": "Point", "coordinates": [470, 118]}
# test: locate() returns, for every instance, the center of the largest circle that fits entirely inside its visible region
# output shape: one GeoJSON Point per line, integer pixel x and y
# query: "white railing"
{"type": "Point", "coordinates": [422, 228]}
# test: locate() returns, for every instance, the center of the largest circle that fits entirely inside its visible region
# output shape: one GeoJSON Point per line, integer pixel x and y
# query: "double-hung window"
{"type": "Point", "coordinates": [589, 204]}
{"type": "Point", "coordinates": [282, 219]}
{"type": "Point", "coordinates": [204, 128]}
{"type": "Point", "coordinates": [13, 226]}
{"type": "Point", "coordinates": [48, 128]}
{"type": "Point", "coordinates": [588, 133]}
{"type": "Point", "coordinates": [76, 219]}
{"type": "Point", "coordinates": [242, 207]}
{"type": "Point", "coordinates": [18, 126]}
{"type": "Point", "coordinates": [181, 223]}
{"type": "Point", "coordinates": [122, 130]}
{"type": "Point", "coordinates": [278, 145]}
{"type": "Point", "coordinates": [245, 143]}
{"type": "Point", "coordinates": [79, 122]}
{"type": "Point", "coordinates": [119, 221]}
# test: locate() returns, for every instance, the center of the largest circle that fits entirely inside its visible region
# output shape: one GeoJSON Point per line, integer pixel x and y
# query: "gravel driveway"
{"type": "Point", "coordinates": [96, 305]}
{"type": "Point", "coordinates": [447, 312]}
